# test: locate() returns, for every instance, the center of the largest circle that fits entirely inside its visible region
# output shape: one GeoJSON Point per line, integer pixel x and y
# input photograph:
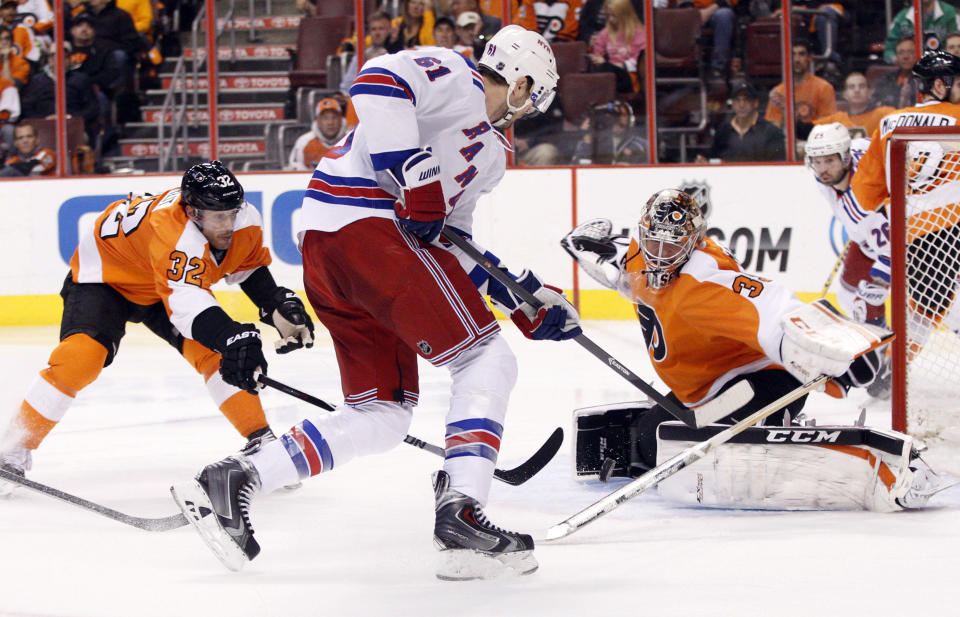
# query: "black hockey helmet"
{"type": "Point", "coordinates": [935, 65]}
{"type": "Point", "coordinates": [211, 186]}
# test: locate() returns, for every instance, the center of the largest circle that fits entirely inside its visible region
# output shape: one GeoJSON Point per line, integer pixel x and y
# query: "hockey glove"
{"type": "Point", "coordinates": [861, 373]}
{"type": "Point", "coordinates": [421, 208]}
{"type": "Point", "coordinates": [291, 320]}
{"type": "Point", "coordinates": [556, 320]}
{"type": "Point", "coordinates": [597, 250]}
{"type": "Point", "coordinates": [241, 356]}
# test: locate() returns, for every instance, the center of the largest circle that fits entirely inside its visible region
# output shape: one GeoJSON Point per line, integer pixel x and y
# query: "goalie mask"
{"type": "Point", "coordinates": [516, 52]}
{"type": "Point", "coordinates": [670, 228]}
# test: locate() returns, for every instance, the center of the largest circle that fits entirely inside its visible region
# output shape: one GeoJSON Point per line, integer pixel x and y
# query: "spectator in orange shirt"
{"type": "Point", "coordinates": [860, 113]}
{"type": "Point", "coordinates": [29, 159]}
{"type": "Point", "coordinates": [13, 66]}
{"type": "Point", "coordinates": [897, 89]}
{"type": "Point", "coordinates": [558, 20]}
{"type": "Point", "coordinates": [813, 97]}
{"type": "Point", "coordinates": [328, 128]}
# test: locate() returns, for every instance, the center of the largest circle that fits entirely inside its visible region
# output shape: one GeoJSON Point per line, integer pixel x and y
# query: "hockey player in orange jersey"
{"type": "Point", "coordinates": [153, 260]}
{"type": "Point", "coordinates": [932, 232]}
{"type": "Point", "coordinates": [708, 325]}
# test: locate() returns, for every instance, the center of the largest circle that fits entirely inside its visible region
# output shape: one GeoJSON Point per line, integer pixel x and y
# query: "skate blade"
{"type": "Point", "coordinates": [468, 565]}
{"type": "Point", "coordinates": [196, 506]}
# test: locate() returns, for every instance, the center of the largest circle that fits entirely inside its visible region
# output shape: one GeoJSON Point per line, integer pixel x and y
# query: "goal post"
{"type": "Point", "coordinates": [924, 177]}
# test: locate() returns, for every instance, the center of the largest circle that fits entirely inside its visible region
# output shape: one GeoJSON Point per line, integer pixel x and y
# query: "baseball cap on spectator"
{"type": "Point", "coordinates": [468, 18]}
{"type": "Point", "coordinates": [744, 88]}
{"type": "Point", "coordinates": [82, 17]}
{"type": "Point", "coordinates": [6, 2]}
{"type": "Point", "coordinates": [328, 104]}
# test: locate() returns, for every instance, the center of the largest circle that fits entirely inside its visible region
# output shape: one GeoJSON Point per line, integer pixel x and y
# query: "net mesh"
{"type": "Point", "coordinates": [932, 263]}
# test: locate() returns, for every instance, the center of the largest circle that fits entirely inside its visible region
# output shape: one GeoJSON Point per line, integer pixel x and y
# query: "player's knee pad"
{"type": "Point", "coordinates": [386, 425]}
{"type": "Point", "coordinates": [75, 363]}
{"type": "Point", "coordinates": [606, 440]}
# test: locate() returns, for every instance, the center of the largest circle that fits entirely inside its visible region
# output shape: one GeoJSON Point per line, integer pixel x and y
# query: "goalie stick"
{"type": "Point", "coordinates": [717, 408]}
{"type": "Point", "coordinates": [147, 524]}
{"type": "Point", "coordinates": [672, 465]}
{"type": "Point", "coordinates": [836, 268]}
{"type": "Point", "coordinates": [517, 475]}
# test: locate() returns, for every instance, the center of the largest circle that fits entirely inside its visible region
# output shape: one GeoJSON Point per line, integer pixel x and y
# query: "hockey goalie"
{"type": "Point", "coordinates": [713, 329]}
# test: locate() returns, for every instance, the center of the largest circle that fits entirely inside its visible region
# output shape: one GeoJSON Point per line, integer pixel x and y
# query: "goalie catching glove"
{"type": "Point", "coordinates": [291, 320]}
{"type": "Point", "coordinates": [421, 208]}
{"type": "Point", "coordinates": [818, 341]}
{"type": "Point", "coordinates": [599, 252]}
{"type": "Point", "coordinates": [555, 320]}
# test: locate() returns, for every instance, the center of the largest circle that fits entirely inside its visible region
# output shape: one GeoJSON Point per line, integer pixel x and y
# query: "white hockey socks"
{"type": "Point", "coordinates": [482, 380]}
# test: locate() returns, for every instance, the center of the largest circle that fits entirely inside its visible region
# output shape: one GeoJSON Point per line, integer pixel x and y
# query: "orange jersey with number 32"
{"type": "Point", "coordinates": [713, 322]}
{"type": "Point", "coordinates": [147, 249]}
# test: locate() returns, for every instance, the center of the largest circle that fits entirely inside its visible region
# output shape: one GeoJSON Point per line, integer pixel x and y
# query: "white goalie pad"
{"type": "Point", "coordinates": [819, 341]}
{"type": "Point", "coordinates": [598, 251]}
{"type": "Point", "coordinates": [790, 468]}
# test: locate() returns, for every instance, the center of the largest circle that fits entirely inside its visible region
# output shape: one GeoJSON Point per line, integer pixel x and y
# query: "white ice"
{"type": "Point", "coordinates": [357, 541]}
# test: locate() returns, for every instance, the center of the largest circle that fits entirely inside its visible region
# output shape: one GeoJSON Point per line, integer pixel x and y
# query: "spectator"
{"type": "Point", "coordinates": [29, 159]}
{"type": "Point", "coordinates": [746, 136]}
{"type": "Point", "coordinates": [141, 12]}
{"type": "Point", "coordinates": [718, 15]}
{"type": "Point", "coordinates": [41, 15]}
{"type": "Point", "coordinates": [951, 43]}
{"type": "Point", "coordinates": [468, 28]}
{"type": "Point", "coordinates": [375, 44]}
{"type": "Point", "coordinates": [24, 38]}
{"type": "Point", "coordinates": [897, 89]}
{"type": "Point", "coordinates": [521, 14]}
{"type": "Point", "coordinates": [9, 113]}
{"type": "Point", "coordinates": [489, 25]}
{"type": "Point", "coordinates": [813, 96]}
{"type": "Point", "coordinates": [826, 25]}
{"type": "Point", "coordinates": [617, 47]}
{"type": "Point", "coordinates": [611, 137]}
{"type": "Point", "coordinates": [558, 20]}
{"type": "Point", "coordinates": [115, 31]}
{"type": "Point", "coordinates": [94, 73]}
{"type": "Point", "coordinates": [413, 28]}
{"type": "Point", "coordinates": [939, 17]}
{"type": "Point", "coordinates": [860, 113]}
{"type": "Point", "coordinates": [444, 33]}
{"type": "Point", "coordinates": [327, 129]}
{"type": "Point", "coordinates": [13, 66]}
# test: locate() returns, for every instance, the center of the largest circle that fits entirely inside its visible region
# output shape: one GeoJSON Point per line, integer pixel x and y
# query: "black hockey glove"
{"type": "Point", "coordinates": [241, 356]}
{"type": "Point", "coordinates": [291, 320]}
{"type": "Point", "coordinates": [862, 371]}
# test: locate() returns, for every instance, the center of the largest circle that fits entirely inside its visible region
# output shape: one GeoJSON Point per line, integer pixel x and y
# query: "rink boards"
{"type": "Point", "coordinates": [771, 216]}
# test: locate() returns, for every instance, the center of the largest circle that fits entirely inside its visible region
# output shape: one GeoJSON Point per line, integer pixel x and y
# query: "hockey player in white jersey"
{"type": "Point", "coordinates": [865, 278]}
{"type": "Point", "coordinates": [387, 288]}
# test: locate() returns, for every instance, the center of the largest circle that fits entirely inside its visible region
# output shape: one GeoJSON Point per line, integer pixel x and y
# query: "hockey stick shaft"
{"type": "Point", "coordinates": [684, 415]}
{"type": "Point", "coordinates": [515, 476]}
{"type": "Point", "coordinates": [147, 524]}
{"type": "Point", "coordinates": [836, 268]}
{"type": "Point", "coordinates": [672, 465]}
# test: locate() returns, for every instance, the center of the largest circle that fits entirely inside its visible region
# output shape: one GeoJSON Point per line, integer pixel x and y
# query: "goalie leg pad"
{"type": "Point", "coordinates": [605, 439]}
{"type": "Point", "coordinates": [791, 468]}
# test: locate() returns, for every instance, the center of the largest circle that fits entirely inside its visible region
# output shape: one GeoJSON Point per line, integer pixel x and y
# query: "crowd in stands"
{"type": "Point", "coordinates": [846, 67]}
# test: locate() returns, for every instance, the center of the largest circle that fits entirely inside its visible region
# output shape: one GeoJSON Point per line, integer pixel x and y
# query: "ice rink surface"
{"type": "Point", "coordinates": [357, 541]}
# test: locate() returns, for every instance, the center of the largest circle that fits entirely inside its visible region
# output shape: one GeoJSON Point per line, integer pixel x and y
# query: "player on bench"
{"type": "Point", "coordinates": [708, 325]}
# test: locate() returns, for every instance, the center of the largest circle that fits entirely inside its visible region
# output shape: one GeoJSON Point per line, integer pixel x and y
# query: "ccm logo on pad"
{"type": "Point", "coordinates": [788, 435]}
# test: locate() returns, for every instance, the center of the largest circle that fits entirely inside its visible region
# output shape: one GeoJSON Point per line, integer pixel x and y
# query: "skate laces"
{"type": "Point", "coordinates": [244, 497]}
{"type": "Point", "coordinates": [481, 517]}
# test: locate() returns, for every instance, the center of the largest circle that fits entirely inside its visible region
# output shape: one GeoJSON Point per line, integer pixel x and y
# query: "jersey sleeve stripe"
{"type": "Point", "coordinates": [355, 181]}
{"type": "Point", "coordinates": [381, 82]}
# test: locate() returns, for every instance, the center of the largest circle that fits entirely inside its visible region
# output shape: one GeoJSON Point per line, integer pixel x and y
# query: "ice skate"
{"type": "Point", "coordinates": [18, 461]}
{"type": "Point", "coordinates": [223, 489]}
{"type": "Point", "coordinates": [924, 484]}
{"type": "Point", "coordinates": [470, 546]}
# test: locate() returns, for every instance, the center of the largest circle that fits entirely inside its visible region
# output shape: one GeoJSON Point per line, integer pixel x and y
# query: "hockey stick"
{"type": "Point", "coordinates": [517, 475]}
{"type": "Point", "coordinates": [148, 524]}
{"type": "Point", "coordinates": [687, 416]}
{"type": "Point", "coordinates": [672, 465]}
{"type": "Point", "coordinates": [836, 268]}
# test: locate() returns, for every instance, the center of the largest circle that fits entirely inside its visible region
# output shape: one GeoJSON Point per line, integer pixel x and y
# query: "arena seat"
{"type": "Point", "coordinates": [317, 38]}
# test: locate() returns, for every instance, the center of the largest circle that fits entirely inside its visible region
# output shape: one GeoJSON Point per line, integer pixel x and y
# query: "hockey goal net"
{"type": "Point", "coordinates": [924, 167]}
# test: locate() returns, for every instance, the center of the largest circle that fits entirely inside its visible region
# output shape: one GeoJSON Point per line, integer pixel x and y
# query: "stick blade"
{"type": "Point", "coordinates": [558, 531]}
{"type": "Point", "coordinates": [532, 466]}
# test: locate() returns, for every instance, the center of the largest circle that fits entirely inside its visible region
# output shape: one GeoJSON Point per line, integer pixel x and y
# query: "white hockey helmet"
{"type": "Point", "coordinates": [826, 139]}
{"type": "Point", "coordinates": [515, 52]}
{"type": "Point", "coordinates": [670, 228]}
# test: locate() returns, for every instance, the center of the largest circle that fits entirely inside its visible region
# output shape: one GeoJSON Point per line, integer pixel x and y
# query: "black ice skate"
{"type": "Point", "coordinates": [470, 546]}
{"type": "Point", "coordinates": [217, 504]}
